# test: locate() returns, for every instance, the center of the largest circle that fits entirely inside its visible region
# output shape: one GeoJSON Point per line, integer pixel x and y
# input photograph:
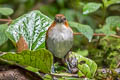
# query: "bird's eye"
{"type": "Point", "coordinates": [55, 19]}
{"type": "Point", "coordinates": [64, 18]}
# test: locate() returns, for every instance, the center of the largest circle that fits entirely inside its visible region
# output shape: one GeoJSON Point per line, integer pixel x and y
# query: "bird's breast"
{"type": "Point", "coordinates": [60, 39]}
{"type": "Point", "coordinates": [60, 32]}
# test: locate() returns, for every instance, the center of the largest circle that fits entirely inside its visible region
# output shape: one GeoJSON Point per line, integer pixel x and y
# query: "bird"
{"type": "Point", "coordinates": [59, 37]}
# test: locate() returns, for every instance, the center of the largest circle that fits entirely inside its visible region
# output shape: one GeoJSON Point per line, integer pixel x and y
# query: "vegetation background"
{"type": "Point", "coordinates": [103, 17]}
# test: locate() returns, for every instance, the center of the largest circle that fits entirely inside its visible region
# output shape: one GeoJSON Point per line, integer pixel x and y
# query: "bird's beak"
{"type": "Point", "coordinates": [60, 21]}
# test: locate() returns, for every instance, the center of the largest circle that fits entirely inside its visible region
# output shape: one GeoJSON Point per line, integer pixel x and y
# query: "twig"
{"type": "Point", "coordinates": [100, 34]}
{"type": "Point", "coordinates": [5, 20]}
{"type": "Point", "coordinates": [64, 75]}
{"type": "Point", "coordinates": [9, 19]}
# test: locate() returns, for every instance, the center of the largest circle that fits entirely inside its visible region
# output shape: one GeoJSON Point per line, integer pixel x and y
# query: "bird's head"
{"type": "Point", "coordinates": [60, 18]}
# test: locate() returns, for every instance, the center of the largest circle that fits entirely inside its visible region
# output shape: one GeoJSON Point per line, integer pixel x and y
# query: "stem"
{"type": "Point", "coordinates": [100, 34]}
{"type": "Point", "coordinates": [64, 75]}
{"type": "Point", "coordinates": [5, 20]}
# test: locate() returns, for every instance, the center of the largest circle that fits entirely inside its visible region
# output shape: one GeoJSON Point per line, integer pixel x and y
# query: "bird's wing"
{"type": "Point", "coordinates": [52, 25]}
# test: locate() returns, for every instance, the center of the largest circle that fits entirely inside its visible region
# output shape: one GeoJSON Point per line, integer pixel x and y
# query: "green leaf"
{"type": "Point", "coordinates": [110, 26]}
{"type": "Point", "coordinates": [113, 21]}
{"type": "Point", "coordinates": [41, 59]}
{"type": "Point", "coordinates": [91, 7]}
{"type": "Point", "coordinates": [32, 69]}
{"type": "Point", "coordinates": [86, 30]}
{"type": "Point", "coordinates": [3, 37]}
{"type": "Point", "coordinates": [82, 52]}
{"type": "Point", "coordinates": [86, 66]}
{"type": "Point", "coordinates": [107, 3]}
{"type": "Point", "coordinates": [106, 30]}
{"type": "Point", "coordinates": [32, 27]}
{"type": "Point", "coordinates": [48, 77]}
{"type": "Point", "coordinates": [6, 11]}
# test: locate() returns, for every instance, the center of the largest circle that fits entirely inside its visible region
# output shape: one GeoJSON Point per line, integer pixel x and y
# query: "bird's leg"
{"type": "Point", "coordinates": [53, 68]}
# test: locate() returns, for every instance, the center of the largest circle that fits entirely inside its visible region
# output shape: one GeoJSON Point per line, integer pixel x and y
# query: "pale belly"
{"type": "Point", "coordinates": [60, 42]}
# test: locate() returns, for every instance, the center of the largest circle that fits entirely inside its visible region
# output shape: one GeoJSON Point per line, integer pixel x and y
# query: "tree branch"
{"type": "Point", "coordinates": [5, 20]}
{"type": "Point", "coordinates": [99, 34]}
{"type": "Point", "coordinates": [64, 75]}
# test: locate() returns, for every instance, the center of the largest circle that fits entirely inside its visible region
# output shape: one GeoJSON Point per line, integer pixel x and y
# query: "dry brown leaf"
{"type": "Point", "coordinates": [21, 44]}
